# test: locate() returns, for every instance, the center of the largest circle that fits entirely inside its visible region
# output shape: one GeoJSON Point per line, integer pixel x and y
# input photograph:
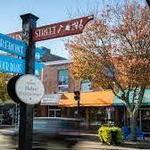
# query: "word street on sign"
{"type": "Point", "coordinates": [17, 47]}
{"type": "Point", "coordinates": [29, 89]}
{"type": "Point", "coordinates": [14, 65]}
{"type": "Point", "coordinates": [56, 30]}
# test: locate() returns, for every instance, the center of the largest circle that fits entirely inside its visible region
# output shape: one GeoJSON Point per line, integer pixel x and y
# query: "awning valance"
{"type": "Point", "coordinates": [88, 99]}
{"type": "Point", "coordinates": [145, 102]}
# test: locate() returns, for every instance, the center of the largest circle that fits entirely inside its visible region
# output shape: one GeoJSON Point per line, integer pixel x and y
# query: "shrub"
{"type": "Point", "coordinates": [110, 134]}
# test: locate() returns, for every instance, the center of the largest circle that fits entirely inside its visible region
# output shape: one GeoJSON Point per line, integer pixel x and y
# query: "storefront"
{"type": "Point", "coordinates": [95, 107]}
{"type": "Point", "coordinates": [8, 113]}
{"type": "Point", "coordinates": [143, 120]}
{"type": "Point", "coordinates": [49, 106]}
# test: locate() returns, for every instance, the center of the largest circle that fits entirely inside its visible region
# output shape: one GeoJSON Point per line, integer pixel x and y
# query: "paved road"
{"type": "Point", "coordinates": [9, 141]}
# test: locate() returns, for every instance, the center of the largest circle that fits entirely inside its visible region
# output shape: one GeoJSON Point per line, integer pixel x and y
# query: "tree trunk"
{"type": "Point", "coordinates": [133, 124]}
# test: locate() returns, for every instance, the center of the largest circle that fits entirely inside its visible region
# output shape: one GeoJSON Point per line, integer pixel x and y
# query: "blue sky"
{"type": "Point", "coordinates": [48, 11]}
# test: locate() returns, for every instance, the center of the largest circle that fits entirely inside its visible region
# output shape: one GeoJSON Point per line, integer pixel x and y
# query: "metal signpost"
{"type": "Point", "coordinates": [26, 111]}
{"type": "Point", "coordinates": [26, 49]}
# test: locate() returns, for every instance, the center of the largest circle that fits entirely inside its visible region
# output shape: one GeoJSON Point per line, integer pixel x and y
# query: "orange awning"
{"type": "Point", "coordinates": [89, 99]}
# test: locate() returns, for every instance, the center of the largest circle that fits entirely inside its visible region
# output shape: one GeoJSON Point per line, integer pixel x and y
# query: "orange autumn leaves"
{"type": "Point", "coordinates": [123, 47]}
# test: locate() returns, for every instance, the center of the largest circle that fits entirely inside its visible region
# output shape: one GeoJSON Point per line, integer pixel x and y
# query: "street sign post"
{"type": "Point", "coordinates": [26, 111]}
{"type": "Point", "coordinates": [30, 34]}
{"type": "Point", "coordinates": [56, 30]}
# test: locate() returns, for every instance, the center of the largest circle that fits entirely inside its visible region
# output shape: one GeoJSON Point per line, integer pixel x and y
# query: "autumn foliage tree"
{"type": "Point", "coordinates": [3, 86]}
{"type": "Point", "coordinates": [114, 52]}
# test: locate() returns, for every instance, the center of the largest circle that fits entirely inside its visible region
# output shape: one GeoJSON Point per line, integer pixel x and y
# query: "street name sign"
{"type": "Point", "coordinates": [12, 46]}
{"type": "Point", "coordinates": [17, 47]}
{"type": "Point", "coordinates": [56, 30]}
{"type": "Point", "coordinates": [29, 89]}
{"type": "Point", "coordinates": [14, 65]}
{"type": "Point", "coordinates": [50, 99]}
{"type": "Point", "coordinates": [61, 29]}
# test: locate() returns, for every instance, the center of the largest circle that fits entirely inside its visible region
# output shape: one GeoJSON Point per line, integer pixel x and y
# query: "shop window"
{"type": "Point", "coordinates": [86, 85]}
{"type": "Point", "coordinates": [63, 80]}
{"type": "Point", "coordinates": [54, 112]}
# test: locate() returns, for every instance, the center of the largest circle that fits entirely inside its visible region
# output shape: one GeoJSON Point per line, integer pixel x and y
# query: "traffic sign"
{"type": "Point", "coordinates": [14, 65]}
{"type": "Point", "coordinates": [56, 30]}
{"type": "Point", "coordinates": [17, 47]}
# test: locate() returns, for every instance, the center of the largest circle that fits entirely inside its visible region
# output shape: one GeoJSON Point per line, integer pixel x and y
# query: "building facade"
{"type": "Point", "coordinates": [95, 110]}
{"type": "Point", "coordinates": [58, 81]}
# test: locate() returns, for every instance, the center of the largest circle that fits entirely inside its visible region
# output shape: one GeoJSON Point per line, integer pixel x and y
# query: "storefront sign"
{"type": "Point", "coordinates": [14, 65]}
{"type": "Point", "coordinates": [50, 99]}
{"type": "Point", "coordinates": [57, 30]}
{"type": "Point", "coordinates": [29, 89]}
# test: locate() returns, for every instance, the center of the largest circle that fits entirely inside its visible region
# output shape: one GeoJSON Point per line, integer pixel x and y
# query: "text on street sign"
{"type": "Point", "coordinates": [14, 65]}
{"type": "Point", "coordinates": [17, 47]}
{"type": "Point", "coordinates": [29, 89]}
{"type": "Point", "coordinates": [56, 30]}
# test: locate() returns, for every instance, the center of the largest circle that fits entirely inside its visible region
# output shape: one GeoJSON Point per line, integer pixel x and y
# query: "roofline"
{"type": "Point", "coordinates": [57, 62]}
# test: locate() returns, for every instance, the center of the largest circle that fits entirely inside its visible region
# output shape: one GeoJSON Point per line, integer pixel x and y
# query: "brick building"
{"type": "Point", "coordinates": [96, 106]}
{"type": "Point", "coordinates": [60, 85]}
{"type": "Point", "coordinates": [56, 80]}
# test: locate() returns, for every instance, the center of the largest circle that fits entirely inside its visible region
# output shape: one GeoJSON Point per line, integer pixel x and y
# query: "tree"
{"type": "Point", "coordinates": [3, 86]}
{"type": "Point", "coordinates": [114, 52]}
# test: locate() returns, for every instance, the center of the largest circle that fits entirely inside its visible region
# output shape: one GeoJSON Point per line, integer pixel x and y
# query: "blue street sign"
{"type": "Point", "coordinates": [12, 46]}
{"type": "Point", "coordinates": [17, 47]}
{"type": "Point", "coordinates": [39, 52]}
{"type": "Point", "coordinates": [14, 65]}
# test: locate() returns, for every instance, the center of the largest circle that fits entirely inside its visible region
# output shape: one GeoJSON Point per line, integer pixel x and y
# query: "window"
{"type": "Point", "coordinates": [54, 112]}
{"type": "Point", "coordinates": [86, 85]}
{"type": "Point", "coordinates": [63, 80]}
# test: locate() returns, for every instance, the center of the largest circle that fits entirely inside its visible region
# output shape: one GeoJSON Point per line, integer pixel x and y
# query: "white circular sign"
{"type": "Point", "coordinates": [29, 89]}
